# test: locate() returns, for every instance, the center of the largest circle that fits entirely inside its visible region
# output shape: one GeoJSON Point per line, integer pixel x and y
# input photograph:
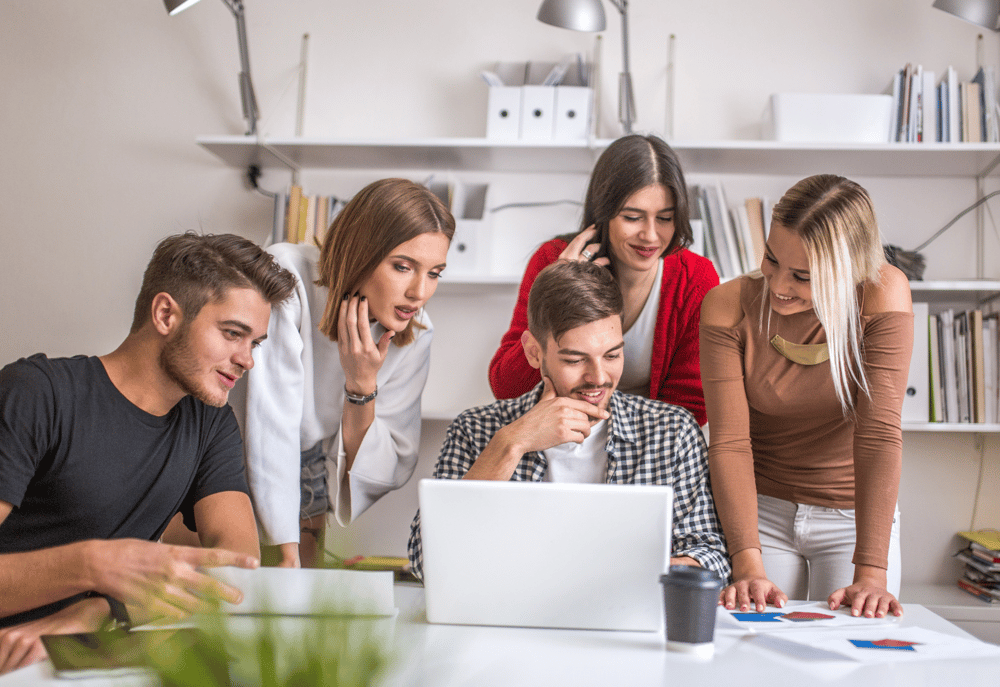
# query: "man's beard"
{"type": "Point", "coordinates": [177, 362]}
{"type": "Point", "coordinates": [585, 387]}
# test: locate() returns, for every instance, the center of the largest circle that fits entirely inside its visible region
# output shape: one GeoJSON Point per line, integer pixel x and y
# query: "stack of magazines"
{"type": "Point", "coordinates": [981, 576]}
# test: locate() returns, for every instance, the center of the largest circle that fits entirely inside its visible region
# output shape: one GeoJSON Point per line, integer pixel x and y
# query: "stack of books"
{"type": "Point", "coordinates": [925, 110]}
{"type": "Point", "coordinates": [981, 576]}
{"type": "Point", "coordinates": [964, 370]}
{"type": "Point", "coordinates": [732, 238]}
{"type": "Point", "coordinates": [300, 217]}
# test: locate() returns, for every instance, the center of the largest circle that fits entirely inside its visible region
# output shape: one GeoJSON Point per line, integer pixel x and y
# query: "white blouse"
{"type": "Point", "coordinates": [295, 398]}
{"type": "Point", "coordinates": [638, 339]}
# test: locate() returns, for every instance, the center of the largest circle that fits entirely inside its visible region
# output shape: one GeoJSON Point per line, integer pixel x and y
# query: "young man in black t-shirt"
{"type": "Point", "coordinates": [97, 454]}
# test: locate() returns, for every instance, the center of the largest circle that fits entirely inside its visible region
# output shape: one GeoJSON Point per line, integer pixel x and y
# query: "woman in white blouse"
{"type": "Point", "coordinates": [339, 382]}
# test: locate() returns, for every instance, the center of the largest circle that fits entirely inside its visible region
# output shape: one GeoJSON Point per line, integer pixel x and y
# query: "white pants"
{"type": "Point", "coordinates": [807, 550]}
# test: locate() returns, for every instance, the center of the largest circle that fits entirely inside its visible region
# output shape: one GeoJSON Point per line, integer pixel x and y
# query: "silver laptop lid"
{"type": "Point", "coordinates": [526, 554]}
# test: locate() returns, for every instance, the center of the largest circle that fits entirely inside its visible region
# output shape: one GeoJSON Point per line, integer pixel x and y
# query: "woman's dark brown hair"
{"type": "Point", "coordinates": [629, 164]}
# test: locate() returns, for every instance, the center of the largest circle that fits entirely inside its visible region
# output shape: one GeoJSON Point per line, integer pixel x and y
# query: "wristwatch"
{"type": "Point", "coordinates": [360, 400]}
{"type": "Point", "coordinates": [120, 619]}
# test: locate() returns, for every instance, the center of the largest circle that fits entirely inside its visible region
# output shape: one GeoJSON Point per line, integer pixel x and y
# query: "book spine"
{"type": "Point", "coordinates": [978, 591]}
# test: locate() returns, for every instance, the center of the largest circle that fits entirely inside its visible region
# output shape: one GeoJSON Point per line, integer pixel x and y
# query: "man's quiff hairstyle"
{"type": "Point", "coordinates": [570, 294]}
{"type": "Point", "coordinates": [197, 268]}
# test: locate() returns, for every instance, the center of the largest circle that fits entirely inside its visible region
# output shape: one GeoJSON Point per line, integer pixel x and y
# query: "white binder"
{"type": "Point", "coordinates": [469, 253]}
{"type": "Point", "coordinates": [503, 116]}
{"type": "Point", "coordinates": [917, 401]}
{"type": "Point", "coordinates": [574, 107]}
{"type": "Point", "coordinates": [537, 108]}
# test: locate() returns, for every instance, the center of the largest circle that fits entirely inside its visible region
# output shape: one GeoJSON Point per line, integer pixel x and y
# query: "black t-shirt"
{"type": "Point", "coordinates": [79, 461]}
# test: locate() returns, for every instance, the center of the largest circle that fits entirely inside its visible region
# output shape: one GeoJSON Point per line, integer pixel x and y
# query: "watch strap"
{"type": "Point", "coordinates": [360, 400]}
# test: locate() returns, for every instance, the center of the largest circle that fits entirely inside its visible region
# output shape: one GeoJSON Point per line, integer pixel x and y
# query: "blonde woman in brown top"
{"type": "Point", "coordinates": [804, 368]}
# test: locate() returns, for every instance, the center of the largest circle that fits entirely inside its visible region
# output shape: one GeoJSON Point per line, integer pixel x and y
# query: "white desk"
{"type": "Point", "coordinates": [455, 655]}
{"type": "Point", "coordinates": [508, 657]}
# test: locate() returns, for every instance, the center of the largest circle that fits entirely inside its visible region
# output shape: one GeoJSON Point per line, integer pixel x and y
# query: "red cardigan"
{"type": "Point", "coordinates": [675, 375]}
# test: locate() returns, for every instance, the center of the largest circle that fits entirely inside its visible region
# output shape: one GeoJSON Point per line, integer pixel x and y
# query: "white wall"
{"type": "Point", "coordinates": [101, 104]}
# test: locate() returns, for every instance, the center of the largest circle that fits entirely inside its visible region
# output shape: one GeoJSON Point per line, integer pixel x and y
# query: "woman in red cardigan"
{"type": "Point", "coordinates": [635, 221]}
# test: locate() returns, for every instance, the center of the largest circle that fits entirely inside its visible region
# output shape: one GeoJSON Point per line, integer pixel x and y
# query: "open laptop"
{"type": "Point", "coordinates": [526, 554]}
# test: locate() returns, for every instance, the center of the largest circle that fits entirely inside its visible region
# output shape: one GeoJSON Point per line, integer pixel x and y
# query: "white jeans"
{"type": "Point", "coordinates": [807, 550]}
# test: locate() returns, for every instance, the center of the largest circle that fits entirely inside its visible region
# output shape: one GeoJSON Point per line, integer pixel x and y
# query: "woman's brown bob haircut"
{"type": "Point", "coordinates": [570, 294]}
{"type": "Point", "coordinates": [629, 164]}
{"type": "Point", "coordinates": [195, 269]}
{"type": "Point", "coordinates": [380, 217]}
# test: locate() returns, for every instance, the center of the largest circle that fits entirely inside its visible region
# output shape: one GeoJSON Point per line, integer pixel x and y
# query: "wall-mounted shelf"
{"type": "Point", "coordinates": [967, 427]}
{"type": "Point", "coordinates": [964, 291]}
{"type": "Point", "coordinates": [730, 157]}
{"type": "Point", "coordinates": [470, 154]}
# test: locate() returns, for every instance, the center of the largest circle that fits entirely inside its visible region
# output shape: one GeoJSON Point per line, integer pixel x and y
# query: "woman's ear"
{"type": "Point", "coordinates": [532, 349]}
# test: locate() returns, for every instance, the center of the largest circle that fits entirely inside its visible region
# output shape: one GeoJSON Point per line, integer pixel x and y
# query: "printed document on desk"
{"type": "Point", "coordinates": [306, 592]}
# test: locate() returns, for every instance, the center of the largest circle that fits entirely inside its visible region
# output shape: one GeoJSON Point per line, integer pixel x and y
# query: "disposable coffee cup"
{"type": "Point", "coordinates": [690, 596]}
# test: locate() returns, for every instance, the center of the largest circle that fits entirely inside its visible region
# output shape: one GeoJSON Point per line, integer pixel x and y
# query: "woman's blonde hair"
{"type": "Point", "coordinates": [835, 219]}
{"type": "Point", "coordinates": [380, 217]}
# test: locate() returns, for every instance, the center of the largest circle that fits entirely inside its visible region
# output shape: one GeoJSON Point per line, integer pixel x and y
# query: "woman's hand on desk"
{"type": "Point", "coordinates": [751, 590]}
{"type": "Point", "coordinates": [868, 595]}
{"type": "Point", "coordinates": [753, 594]}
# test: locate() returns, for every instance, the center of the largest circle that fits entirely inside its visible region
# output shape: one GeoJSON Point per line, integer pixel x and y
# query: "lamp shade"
{"type": "Point", "coordinates": [980, 12]}
{"type": "Point", "coordinates": [175, 6]}
{"type": "Point", "coordinates": [578, 15]}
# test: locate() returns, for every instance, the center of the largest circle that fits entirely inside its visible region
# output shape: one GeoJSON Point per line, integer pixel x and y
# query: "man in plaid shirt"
{"type": "Point", "coordinates": [575, 427]}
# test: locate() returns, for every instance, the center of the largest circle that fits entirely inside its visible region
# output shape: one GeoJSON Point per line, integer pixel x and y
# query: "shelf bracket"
{"type": "Point", "coordinates": [990, 167]}
{"type": "Point", "coordinates": [278, 155]}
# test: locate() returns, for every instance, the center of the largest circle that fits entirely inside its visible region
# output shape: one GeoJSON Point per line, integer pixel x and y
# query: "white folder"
{"type": "Point", "coordinates": [468, 255]}
{"type": "Point", "coordinates": [537, 110]}
{"type": "Point", "coordinates": [503, 115]}
{"type": "Point", "coordinates": [574, 106]}
{"type": "Point", "coordinates": [917, 401]}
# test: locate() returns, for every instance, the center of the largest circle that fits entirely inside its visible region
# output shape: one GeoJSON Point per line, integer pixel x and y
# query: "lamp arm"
{"type": "Point", "coordinates": [626, 99]}
{"type": "Point", "coordinates": [622, 6]}
{"type": "Point", "coordinates": [247, 95]}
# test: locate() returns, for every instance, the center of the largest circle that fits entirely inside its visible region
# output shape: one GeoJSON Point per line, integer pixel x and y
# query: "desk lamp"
{"type": "Point", "coordinates": [981, 12]}
{"type": "Point", "coordinates": [588, 15]}
{"type": "Point", "coordinates": [247, 96]}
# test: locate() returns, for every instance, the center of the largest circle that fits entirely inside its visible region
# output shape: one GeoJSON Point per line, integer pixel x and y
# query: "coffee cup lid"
{"type": "Point", "coordinates": [689, 575]}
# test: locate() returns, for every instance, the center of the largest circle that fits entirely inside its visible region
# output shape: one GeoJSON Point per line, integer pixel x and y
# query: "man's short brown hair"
{"type": "Point", "coordinates": [196, 268]}
{"type": "Point", "coordinates": [570, 294]}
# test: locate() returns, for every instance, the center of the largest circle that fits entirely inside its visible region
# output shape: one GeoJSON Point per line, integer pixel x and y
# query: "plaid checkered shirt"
{"type": "Point", "coordinates": [649, 442]}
